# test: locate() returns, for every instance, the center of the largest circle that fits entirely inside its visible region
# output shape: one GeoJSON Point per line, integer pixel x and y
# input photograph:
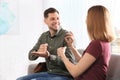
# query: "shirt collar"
{"type": "Point", "coordinates": [57, 33]}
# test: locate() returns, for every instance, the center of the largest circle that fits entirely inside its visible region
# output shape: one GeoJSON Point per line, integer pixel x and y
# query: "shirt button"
{"type": "Point", "coordinates": [49, 46]}
{"type": "Point", "coordinates": [50, 70]}
{"type": "Point", "coordinates": [51, 39]}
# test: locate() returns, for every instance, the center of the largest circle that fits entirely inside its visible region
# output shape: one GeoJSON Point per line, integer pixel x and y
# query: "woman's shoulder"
{"type": "Point", "coordinates": [95, 42]}
{"type": "Point", "coordinates": [98, 41]}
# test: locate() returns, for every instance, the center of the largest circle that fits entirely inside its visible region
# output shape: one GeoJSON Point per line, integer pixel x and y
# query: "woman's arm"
{"type": "Point", "coordinates": [70, 41]}
{"type": "Point", "coordinates": [76, 69]}
{"type": "Point", "coordinates": [76, 53]}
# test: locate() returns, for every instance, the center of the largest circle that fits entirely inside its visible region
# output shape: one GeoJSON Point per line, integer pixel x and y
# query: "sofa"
{"type": "Point", "coordinates": [113, 69]}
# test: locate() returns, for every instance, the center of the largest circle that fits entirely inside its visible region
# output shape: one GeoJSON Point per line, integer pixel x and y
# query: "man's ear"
{"type": "Point", "coordinates": [45, 21]}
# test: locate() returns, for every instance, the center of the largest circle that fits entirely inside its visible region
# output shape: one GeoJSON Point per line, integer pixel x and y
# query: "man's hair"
{"type": "Point", "coordinates": [49, 10]}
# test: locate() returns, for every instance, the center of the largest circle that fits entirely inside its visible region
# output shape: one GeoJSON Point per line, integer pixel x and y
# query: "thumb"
{"type": "Point", "coordinates": [64, 47]}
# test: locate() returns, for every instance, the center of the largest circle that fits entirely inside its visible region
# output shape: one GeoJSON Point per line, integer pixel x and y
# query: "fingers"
{"type": "Point", "coordinates": [69, 34]}
{"type": "Point", "coordinates": [61, 51]}
{"type": "Point", "coordinates": [62, 48]}
{"type": "Point", "coordinates": [48, 54]}
{"type": "Point", "coordinates": [43, 47]}
{"type": "Point", "coordinates": [42, 54]}
{"type": "Point", "coordinates": [68, 38]}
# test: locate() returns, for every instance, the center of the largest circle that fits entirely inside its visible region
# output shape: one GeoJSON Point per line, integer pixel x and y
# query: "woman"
{"type": "Point", "coordinates": [93, 64]}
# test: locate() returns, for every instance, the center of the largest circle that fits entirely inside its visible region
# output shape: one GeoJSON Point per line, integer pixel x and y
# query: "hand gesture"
{"type": "Point", "coordinates": [69, 39]}
{"type": "Point", "coordinates": [61, 52]}
{"type": "Point", "coordinates": [42, 51]}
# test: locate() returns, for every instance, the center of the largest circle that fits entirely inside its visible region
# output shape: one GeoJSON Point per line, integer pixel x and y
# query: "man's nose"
{"type": "Point", "coordinates": [56, 21]}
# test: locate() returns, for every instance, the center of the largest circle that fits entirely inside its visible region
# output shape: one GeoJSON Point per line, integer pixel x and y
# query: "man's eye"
{"type": "Point", "coordinates": [52, 19]}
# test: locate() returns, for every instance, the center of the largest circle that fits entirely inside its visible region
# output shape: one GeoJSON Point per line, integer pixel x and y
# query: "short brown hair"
{"type": "Point", "coordinates": [99, 24]}
{"type": "Point", "coordinates": [49, 10]}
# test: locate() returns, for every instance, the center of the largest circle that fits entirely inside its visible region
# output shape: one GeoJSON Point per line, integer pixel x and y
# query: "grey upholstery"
{"type": "Point", "coordinates": [31, 68]}
{"type": "Point", "coordinates": [114, 68]}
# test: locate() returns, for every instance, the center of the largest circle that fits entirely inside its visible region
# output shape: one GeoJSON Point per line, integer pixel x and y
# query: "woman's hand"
{"type": "Point", "coordinates": [61, 52]}
{"type": "Point", "coordinates": [69, 39]}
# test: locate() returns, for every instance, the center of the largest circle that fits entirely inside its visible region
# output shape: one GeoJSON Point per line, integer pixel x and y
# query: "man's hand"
{"type": "Point", "coordinates": [43, 48]}
{"type": "Point", "coordinates": [41, 54]}
{"type": "Point", "coordinates": [42, 51]}
{"type": "Point", "coordinates": [69, 39]}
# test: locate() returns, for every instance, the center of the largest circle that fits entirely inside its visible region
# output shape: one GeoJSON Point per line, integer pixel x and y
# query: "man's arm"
{"type": "Point", "coordinates": [32, 56]}
{"type": "Point", "coordinates": [34, 49]}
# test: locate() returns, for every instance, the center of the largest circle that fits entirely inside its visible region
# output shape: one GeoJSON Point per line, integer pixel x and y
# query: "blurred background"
{"type": "Point", "coordinates": [21, 24]}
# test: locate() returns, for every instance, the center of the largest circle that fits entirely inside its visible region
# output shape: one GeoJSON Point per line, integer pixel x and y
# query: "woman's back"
{"type": "Point", "coordinates": [101, 51]}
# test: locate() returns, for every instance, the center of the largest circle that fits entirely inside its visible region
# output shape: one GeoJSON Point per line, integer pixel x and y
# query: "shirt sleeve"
{"type": "Point", "coordinates": [94, 49]}
{"type": "Point", "coordinates": [35, 48]}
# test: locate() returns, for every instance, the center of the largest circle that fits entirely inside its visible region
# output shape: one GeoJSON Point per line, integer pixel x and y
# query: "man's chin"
{"type": "Point", "coordinates": [56, 28]}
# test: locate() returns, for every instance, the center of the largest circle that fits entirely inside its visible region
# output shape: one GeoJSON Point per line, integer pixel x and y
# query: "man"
{"type": "Point", "coordinates": [47, 46]}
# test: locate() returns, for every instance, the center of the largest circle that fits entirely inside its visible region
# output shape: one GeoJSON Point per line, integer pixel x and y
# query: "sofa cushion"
{"type": "Point", "coordinates": [114, 68]}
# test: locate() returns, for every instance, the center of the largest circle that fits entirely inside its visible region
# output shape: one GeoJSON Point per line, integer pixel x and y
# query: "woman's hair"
{"type": "Point", "coordinates": [99, 24]}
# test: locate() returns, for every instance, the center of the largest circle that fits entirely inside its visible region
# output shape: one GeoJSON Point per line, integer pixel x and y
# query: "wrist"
{"type": "Point", "coordinates": [52, 57]}
{"type": "Point", "coordinates": [64, 58]}
{"type": "Point", "coordinates": [70, 47]}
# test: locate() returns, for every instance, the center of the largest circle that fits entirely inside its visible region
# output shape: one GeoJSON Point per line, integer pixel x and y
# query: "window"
{"type": "Point", "coordinates": [116, 23]}
{"type": "Point", "coordinates": [73, 16]}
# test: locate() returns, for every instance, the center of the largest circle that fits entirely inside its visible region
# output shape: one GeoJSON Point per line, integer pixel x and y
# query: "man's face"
{"type": "Point", "coordinates": [53, 21]}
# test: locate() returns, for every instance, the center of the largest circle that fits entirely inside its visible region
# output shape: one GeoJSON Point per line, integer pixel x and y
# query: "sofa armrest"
{"type": "Point", "coordinates": [31, 68]}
